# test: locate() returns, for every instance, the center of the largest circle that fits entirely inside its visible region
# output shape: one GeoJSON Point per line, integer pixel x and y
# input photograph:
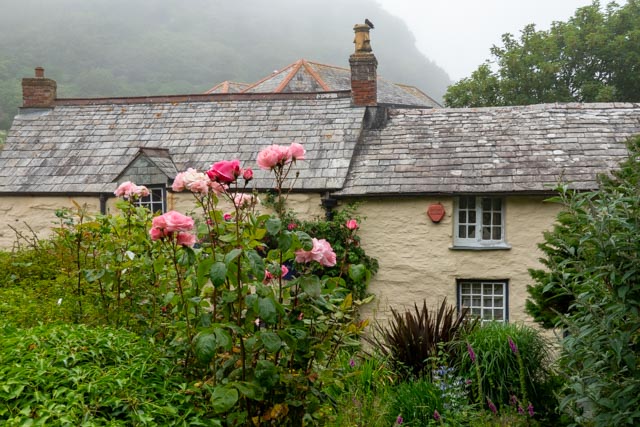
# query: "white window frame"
{"type": "Point", "coordinates": [487, 299]}
{"type": "Point", "coordinates": [157, 199]}
{"type": "Point", "coordinates": [472, 221]}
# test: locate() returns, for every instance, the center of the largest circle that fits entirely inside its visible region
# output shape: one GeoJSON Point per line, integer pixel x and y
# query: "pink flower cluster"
{"type": "Point", "coordinates": [196, 182]}
{"type": "Point", "coordinates": [279, 155]}
{"type": "Point", "coordinates": [321, 252]}
{"type": "Point", "coordinates": [352, 224]}
{"type": "Point", "coordinates": [175, 224]}
{"type": "Point", "coordinates": [244, 200]}
{"type": "Point", "coordinates": [129, 190]}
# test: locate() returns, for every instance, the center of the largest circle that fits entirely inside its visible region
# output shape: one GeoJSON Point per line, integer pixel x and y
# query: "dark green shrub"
{"type": "Point", "coordinates": [58, 375]}
{"type": "Point", "coordinates": [413, 340]}
{"type": "Point", "coordinates": [504, 373]}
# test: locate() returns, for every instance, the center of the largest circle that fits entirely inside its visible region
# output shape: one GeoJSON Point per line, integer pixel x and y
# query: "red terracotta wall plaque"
{"type": "Point", "coordinates": [436, 212]}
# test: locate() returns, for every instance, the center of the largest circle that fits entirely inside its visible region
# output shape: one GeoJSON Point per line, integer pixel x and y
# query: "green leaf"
{"type": "Point", "coordinates": [223, 398]}
{"type": "Point", "coordinates": [285, 240]}
{"type": "Point", "coordinates": [271, 341]}
{"type": "Point", "coordinates": [311, 285]}
{"type": "Point", "coordinates": [267, 310]}
{"type": "Point", "coordinates": [203, 270]}
{"type": "Point", "coordinates": [233, 254]}
{"type": "Point", "coordinates": [256, 263]}
{"type": "Point", "coordinates": [274, 225]}
{"type": "Point", "coordinates": [266, 373]}
{"type": "Point", "coordinates": [205, 347]}
{"type": "Point", "coordinates": [357, 272]}
{"type": "Point", "coordinates": [223, 338]}
{"type": "Point", "coordinates": [250, 390]}
{"type": "Point", "coordinates": [305, 240]}
{"type": "Point", "coordinates": [218, 273]}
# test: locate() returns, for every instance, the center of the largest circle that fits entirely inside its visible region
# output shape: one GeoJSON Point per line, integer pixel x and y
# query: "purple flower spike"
{"type": "Point", "coordinates": [520, 410]}
{"type": "Point", "coordinates": [399, 420]}
{"type": "Point", "coordinates": [472, 354]}
{"type": "Point", "coordinates": [513, 346]}
{"type": "Point", "coordinates": [530, 409]}
{"type": "Point", "coordinates": [513, 400]}
{"type": "Point", "coordinates": [352, 363]}
{"type": "Point", "coordinates": [492, 406]}
{"type": "Point", "coordinates": [436, 415]}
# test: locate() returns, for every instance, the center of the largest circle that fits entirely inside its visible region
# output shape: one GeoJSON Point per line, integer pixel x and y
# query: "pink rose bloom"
{"type": "Point", "coordinates": [291, 226]}
{"type": "Point", "coordinates": [321, 252]}
{"type": "Point", "coordinates": [201, 186]}
{"type": "Point", "coordinates": [273, 156]}
{"type": "Point", "coordinates": [284, 270]}
{"type": "Point", "coordinates": [243, 200]}
{"type": "Point", "coordinates": [186, 239]}
{"type": "Point", "coordinates": [227, 217]}
{"type": "Point", "coordinates": [156, 233]}
{"type": "Point", "coordinates": [129, 190]}
{"type": "Point", "coordinates": [296, 151]}
{"type": "Point", "coordinates": [216, 187]}
{"type": "Point", "coordinates": [178, 182]}
{"type": "Point", "coordinates": [225, 171]}
{"type": "Point", "coordinates": [352, 224]}
{"type": "Point", "coordinates": [247, 174]}
{"type": "Point", "coordinates": [175, 221]}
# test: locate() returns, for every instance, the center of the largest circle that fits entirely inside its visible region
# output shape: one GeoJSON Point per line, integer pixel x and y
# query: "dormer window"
{"type": "Point", "coordinates": [479, 223]}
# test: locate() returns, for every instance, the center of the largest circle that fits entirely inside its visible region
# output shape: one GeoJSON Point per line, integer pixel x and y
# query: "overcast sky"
{"type": "Point", "coordinates": [457, 34]}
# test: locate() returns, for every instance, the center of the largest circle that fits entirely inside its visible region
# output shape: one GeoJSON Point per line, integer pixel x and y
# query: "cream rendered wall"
{"type": "Point", "coordinates": [416, 261]}
{"type": "Point", "coordinates": [35, 213]}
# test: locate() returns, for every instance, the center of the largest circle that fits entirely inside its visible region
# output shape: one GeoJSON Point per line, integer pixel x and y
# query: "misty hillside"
{"type": "Point", "coordinates": [141, 47]}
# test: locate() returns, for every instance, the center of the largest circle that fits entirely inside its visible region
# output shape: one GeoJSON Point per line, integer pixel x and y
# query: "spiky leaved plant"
{"type": "Point", "coordinates": [414, 338]}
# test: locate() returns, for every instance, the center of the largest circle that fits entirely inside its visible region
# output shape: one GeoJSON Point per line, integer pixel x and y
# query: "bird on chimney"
{"type": "Point", "coordinates": [369, 23]}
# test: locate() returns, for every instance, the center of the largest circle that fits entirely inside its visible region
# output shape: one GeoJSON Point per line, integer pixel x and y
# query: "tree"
{"type": "Point", "coordinates": [592, 289]}
{"type": "Point", "coordinates": [591, 58]}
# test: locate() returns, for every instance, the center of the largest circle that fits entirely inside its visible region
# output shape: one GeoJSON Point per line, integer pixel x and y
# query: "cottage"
{"type": "Point", "coordinates": [454, 198]}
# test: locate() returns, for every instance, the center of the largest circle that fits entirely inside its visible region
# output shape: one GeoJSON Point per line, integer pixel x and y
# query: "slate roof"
{"type": "Point", "coordinates": [492, 150]}
{"type": "Point", "coordinates": [228, 87]}
{"type": "Point", "coordinates": [308, 76]}
{"type": "Point", "coordinates": [86, 145]}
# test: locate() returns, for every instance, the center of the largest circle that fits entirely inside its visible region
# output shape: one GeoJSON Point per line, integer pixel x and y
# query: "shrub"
{"type": "Point", "coordinates": [415, 403]}
{"type": "Point", "coordinates": [412, 340]}
{"type": "Point", "coordinates": [505, 373]}
{"type": "Point", "coordinates": [74, 375]}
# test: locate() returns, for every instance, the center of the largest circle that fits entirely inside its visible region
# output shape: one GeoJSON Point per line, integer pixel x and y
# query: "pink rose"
{"type": "Point", "coordinates": [192, 180]}
{"type": "Point", "coordinates": [225, 171]}
{"type": "Point", "coordinates": [186, 239]}
{"type": "Point", "coordinates": [296, 151]}
{"type": "Point", "coordinates": [284, 270]}
{"type": "Point", "coordinates": [175, 221]}
{"type": "Point", "coordinates": [352, 224]}
{"type": "Point", "coordinates": [156, 233]}
{"type": "Point", "coordinates": [178, 183]}
{"type": "Point", "coordinates": [216, 187]}
{"type": "Point", "coordinates": [291, 226]}
{"type": "Point", "coordinates": [243, 200]}
{"type": "Point", "coordinates": [247, 174]}
{"type": "Point", "coordinates": [227, 217]}
{"type": "Point", "coordinates": [129, 190]}
{"type": "Point", "coordinates": [321, 252]}
{"type": "Point", "coordinates": [273, 156]}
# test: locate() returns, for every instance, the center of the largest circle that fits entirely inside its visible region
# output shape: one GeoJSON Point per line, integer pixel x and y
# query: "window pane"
{"type": "Point", "coordinates": [497, 289]}
{"type": "Point", "coordinates": [465, 288]}
{"type": "Point", "coordinates": [472, 217]}
{"type": "Point", "coordinates": [462, 232]}
{"type": "Point", "coordinates": [497, 315]}
{"type": "Point", "coordinates": [486, 218]}
{"type": "Point", "coordinates": [475, 302]}
{"type": "Point", "coordinates": [486, 204]}
{"type": "Point", "coordinates": [497, 218]}
{"type": "Point", "coordinates": [497, 302]}
{"type": "Point", "coordinates": [487, 302]}
{"type": "Point", "coordinates": [497, 204]}
{"type": "Point", "coordinates": [471, 202]}
{"type": "Point", "coordinates": [472, 231]}
{"type": "Point", "coordinates": [487, 314]}
{"type": "Point", "coordinates": [462, 216]}
{"type": "Point", "coordinates": [486, 233]}
{"type": "Point", "coordinates": [497, 233]}
{"type": "Point", "coordinates": [466, 302]}
{"type": "Point", "coordinates": [477, 288]}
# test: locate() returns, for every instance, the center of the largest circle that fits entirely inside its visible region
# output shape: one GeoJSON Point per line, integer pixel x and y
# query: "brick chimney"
{"type": "Point", "coordinates": [364, 83]}
{"type": "Point", "coordinates": [38, 92]}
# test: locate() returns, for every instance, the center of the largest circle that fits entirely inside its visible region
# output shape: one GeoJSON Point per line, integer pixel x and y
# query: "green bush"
{"type": "Point", "coordinates": [527, 375]}
{"type": "Point", "coordinates": [416, 402]}
{"type": "Point", "coordinates": [59, 375]}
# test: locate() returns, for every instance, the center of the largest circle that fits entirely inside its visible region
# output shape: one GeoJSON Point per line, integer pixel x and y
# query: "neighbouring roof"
{"type": "Point", "coordinates": [497, 149]}
{"type": "Point", "coordinates": [85, 147]}
{"type": "Point", "coordinates": [228, 87]}
{"type": "Point", "coordinates": [307, 76]}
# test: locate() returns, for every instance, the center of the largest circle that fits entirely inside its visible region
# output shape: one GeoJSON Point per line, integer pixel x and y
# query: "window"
{"type": "Point", "coordinates": [155, 201]}
{"type": "Point", "coordinates": [479, 223]}
{"type": "Point", "coordinates": [486, 298]}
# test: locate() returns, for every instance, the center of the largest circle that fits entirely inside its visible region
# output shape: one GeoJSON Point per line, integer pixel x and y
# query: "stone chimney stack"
{"type": "Point", "coordinates": [364, 65]}
{"type": "Point", "coordinates": [38, 92]}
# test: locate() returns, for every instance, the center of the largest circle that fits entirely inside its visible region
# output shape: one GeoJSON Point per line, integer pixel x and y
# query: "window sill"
{"type": "Point", "coordinates": [496, 247]}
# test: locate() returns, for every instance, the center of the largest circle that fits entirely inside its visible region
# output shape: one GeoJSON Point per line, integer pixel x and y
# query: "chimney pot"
{"type": "Point", "coordinates": [38, 91]}
{"type": "Point", "coordinates": [364, 77]}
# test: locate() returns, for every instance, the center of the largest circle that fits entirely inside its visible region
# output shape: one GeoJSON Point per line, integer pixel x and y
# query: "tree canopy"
{"type": "Point", "coordinates": [594, 57]}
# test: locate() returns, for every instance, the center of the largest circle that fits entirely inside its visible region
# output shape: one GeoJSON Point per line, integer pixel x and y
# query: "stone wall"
{"type": "Point", "coordinates": [417, 262]}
